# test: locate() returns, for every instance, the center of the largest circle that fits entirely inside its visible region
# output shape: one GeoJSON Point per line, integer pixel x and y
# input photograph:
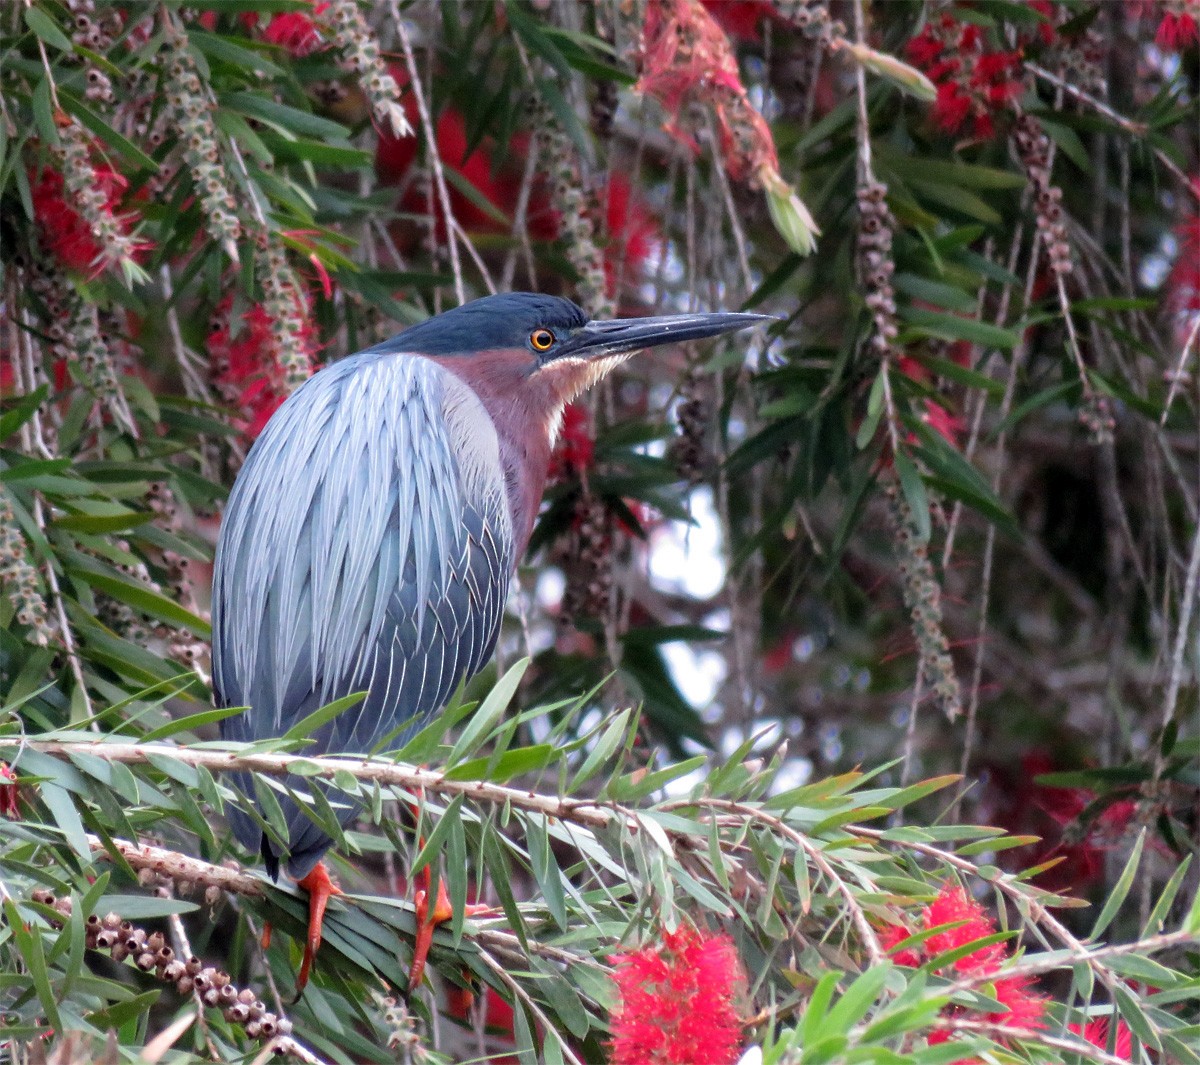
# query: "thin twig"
{"type": "Point", "coordinates": [431, 149]}
{"type": "Point", "coordinates": [1182, 632]}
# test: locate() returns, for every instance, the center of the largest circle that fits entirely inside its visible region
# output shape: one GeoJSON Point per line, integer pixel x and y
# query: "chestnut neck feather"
{"type": "Point", "coordinates": [525, 408]}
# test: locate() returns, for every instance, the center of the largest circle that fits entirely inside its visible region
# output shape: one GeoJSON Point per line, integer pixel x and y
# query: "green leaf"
{"type": "Point", "coordinates": [859, 996]}
{"type": "Point", "coordinates": [433, 844]}
{"type": "Point", "coordinates": [24, 409]}
{"type": "Point", "coordinates": [306, 726]}
{"type": "Point", "coordinates": [191, 723]}
{"type": "Point", "coordinates": [47, 30]}
{"type": "Point", "coordinates": [914, 495]}
{"type": "Point", "coordinates": [29, 943]}
{"type": "Point", "coordinates": [225, 50]}
{"type": "Point", "coordinates": [122, 145]}
{"type": "Point", "coordinates": [605, 747]}
{"type": "Point", "coordinates": [545, 869]}
{"type": "Point", "coordinates": [866, 431]}
{"type": "Point", "coordinates": [144, 599]}
{"type": "Point", "coordinates": [954, 327]}
{"type": "Point", "coordinates": [1067, 140]}
{"type": "Point", "coordinates": [62, 808]}
{"type": "Point", "coordinates": [284, 118]}
{"type": "Point", "coordinates": [482, 721]}
{"type": "Point", "coordinates": [1116, 897]}
{"type": "Point", "coordinates": [143, 907]}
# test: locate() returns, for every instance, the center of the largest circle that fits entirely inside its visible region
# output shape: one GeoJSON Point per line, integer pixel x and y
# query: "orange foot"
{"type": "Point", "coordinates": [427, 922]}
{"type": "Point", "coordinates": [319, 887]}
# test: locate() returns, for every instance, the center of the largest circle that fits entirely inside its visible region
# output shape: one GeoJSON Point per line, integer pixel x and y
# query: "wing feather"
{"type": "Point", "coordinates": [366, 546]}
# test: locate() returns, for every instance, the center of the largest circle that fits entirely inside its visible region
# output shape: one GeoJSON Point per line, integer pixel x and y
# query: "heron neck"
{"type": "Point", "coordinates": [524, 412]}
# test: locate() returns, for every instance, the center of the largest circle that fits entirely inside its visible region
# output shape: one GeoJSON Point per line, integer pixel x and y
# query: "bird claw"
{"type": "Point", "coordinates": [320, 889]}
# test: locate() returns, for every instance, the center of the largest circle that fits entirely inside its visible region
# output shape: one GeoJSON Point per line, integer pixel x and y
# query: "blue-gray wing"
{"type": "Point", "coordinates": [366, 545]}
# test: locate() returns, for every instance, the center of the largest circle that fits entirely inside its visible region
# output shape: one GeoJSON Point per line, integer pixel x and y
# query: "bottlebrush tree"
{"type": "Point", "coordinates": [847, 706]}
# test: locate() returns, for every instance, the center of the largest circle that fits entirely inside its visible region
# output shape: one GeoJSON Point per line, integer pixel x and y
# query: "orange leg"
{"type": "Point", "coordinates": [427, 921]}
{"type": "Point", "coordinates": [319, 888]}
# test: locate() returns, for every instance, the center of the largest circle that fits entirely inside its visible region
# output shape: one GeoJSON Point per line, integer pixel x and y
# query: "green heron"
{"type": "Point", "coordinates": [371, 535]}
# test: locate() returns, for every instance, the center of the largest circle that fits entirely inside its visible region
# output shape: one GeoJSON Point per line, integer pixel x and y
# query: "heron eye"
{"type": "Point", "coordinates": [541, 339]}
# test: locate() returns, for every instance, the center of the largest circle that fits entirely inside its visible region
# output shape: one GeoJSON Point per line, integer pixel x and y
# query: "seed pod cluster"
{"type": "Point", "coordinates": [73, 327]}
{"type": "Point", "coordinates": [688, 451]}
{"type": "Point", "coordinates": [95, 31]}
{"type": "Point", "coordinates": [876, 265]}
{"type": "Point", "coordinates": [1033, 149]}
{"type": "Point", "coordinates": [587, 561]}
{"type": "Point", "coordinates": [151, 953]}
{"type": "Point", "coordinates": [923, 598]}
{"type": "Point", "coordinates": [20, 580]}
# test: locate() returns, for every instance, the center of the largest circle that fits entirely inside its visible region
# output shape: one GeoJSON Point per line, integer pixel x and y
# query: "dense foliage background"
{"type": "Point", "coordinates": [941, 519]}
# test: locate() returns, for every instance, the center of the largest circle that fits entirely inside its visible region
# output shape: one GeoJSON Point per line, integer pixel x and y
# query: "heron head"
{"type": "Point", "coordinates": [551, 342]}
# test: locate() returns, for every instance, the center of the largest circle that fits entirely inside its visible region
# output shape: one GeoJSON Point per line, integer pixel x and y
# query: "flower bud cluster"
{"type": "Point", "coordinates": [287, 307]}
{"type": "Point", "coordinates": [116, 243]}
{"type": "Point", "coordinates": [1033, 148]}
{"type": "Point", "coordinates": [876, 265]}
{"type": "Point", "coordinates": [403, 1035]}
{"type": "Point", "coordinates": [19, 579]}
{"type": "Point", "coordinates": [923, 598]}
{"type": "Point", "coordinates": [1096, 416]}
{"type": "Point", "coordinates": [813, 19]}
{"type": "Point", "coordinates": [359, 53]}
{"type": "Point", "coordinates": [95, 31]}
{"type": "Point", "coordinates": [151, 953]}
{"type": "Point", "coordinates": [567, 190]}
{"type": "Point", "coordinates": [191, 115]}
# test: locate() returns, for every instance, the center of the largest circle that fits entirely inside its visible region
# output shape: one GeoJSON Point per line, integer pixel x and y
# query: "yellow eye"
{"type": "Point", "coordinates": [541, 339]}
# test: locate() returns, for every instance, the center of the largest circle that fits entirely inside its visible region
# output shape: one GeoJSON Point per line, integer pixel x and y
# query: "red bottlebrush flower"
{"type": "Point", "coordinates": [244, 364]}
{"type": "Point", "coordinates": [10, 794]}
{"type": "Point", "coordinates": [973, 82]}
{"type": "Point", "coordinates": [575, 450]}
{"type": "Point", "coordinates": [1025, 1009]}
{"type": "Point", "coordinates": [952, 106]}
{"type": "Point", "coordinates": [740, 18]}
{"type": "Point", "coordinates": [1176, 32]}
{"type": "Point", "coordinates": [896, 933]}
{"type": "Point", "coordinates": [394, 157]}
{"type": "Point", "coordinates": [677, 1002]}
{"type": "Point", "coordinates": [633, 233]}
{"type": "Point", "coordinates": [1046, 30]}
{"type": "Point", "coordinates": [1096, 1033]}
{"type": "Point", "coordinates": [953, 904]}
{"type": "Point", "coordinates": [295, 31]}
{"type": "Point", "coordinates": [65, 234]}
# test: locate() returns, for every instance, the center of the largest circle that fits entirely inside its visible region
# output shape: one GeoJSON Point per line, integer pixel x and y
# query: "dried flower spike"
{"type": "Point", "coordinates": [923, 597]}
{"type": "Point", "coordinates": [287, 308]}
{"type": "Point", "coordinates": [686, 57]}
{"type": "Point", "coordinates": [359, 52]}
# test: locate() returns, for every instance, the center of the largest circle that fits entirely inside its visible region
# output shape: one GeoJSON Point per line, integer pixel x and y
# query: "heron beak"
{"type": "Point", "coordinates": [623, 336]}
